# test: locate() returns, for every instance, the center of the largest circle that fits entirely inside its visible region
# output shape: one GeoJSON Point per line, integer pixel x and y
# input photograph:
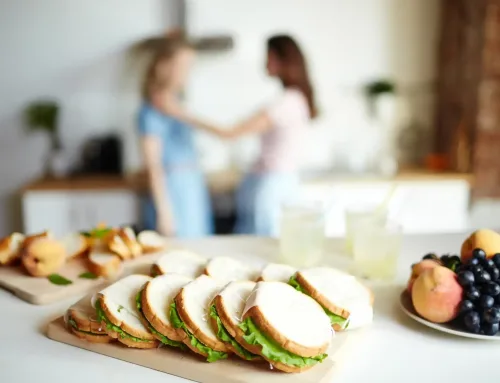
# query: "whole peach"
{"type": "Point", "coordinates": [419, 268]}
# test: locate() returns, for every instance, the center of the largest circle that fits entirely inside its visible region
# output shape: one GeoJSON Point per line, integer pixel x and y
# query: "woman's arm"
{"type": "Point", "coordinates": [151, 149]}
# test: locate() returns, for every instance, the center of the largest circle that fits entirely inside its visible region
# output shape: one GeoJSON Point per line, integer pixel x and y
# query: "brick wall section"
{"type": "Point", "coordinates": [487, 143]}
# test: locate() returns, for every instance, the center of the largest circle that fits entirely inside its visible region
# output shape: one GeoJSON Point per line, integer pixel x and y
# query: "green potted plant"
{"type": "Point", "coordinates": [373, 90]}
{"type": "Point", "coordinates": [43, 115]}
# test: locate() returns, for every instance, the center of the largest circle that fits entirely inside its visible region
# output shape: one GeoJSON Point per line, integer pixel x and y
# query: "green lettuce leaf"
{"type": "Point", "coordinates": [272, 350]}
{"type": "Point", "coordinates": [224, 335]}
{"type": "Point", "coordinates": [102, 317]}
{"type": "Point", "coordinates": [334, 318]}
{"type": "Point", "coordinates": [178, 323]}
{"type": "Point", "coordinates": [75, 326]}
{"type": "Point", "coordinates": [163, 338]}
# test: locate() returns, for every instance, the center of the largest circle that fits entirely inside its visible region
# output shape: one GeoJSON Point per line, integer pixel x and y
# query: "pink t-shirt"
{"type": "Point", "coordinates": [281, 146]}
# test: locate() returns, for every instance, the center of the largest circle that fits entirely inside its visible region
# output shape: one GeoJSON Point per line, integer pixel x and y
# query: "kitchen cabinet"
{"type": "Point", "coordinates": [436, 206]}
{"type": "Point", "coordinates": [65, 211]}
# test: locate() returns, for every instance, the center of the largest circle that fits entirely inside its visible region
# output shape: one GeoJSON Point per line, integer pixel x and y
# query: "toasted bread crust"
{"type": "Point", "coordinates": [156, 270]}
{"type": "Point", "coordinates": [216, 345]}
{"type": "Point", "coordinates": [7, 256]}
{"type": "Point", "coordinates": [142, 345]}
{"type": "Point", "coordinates": [92, 338]}
{"type": "Point", "coordinates": [86, 324]}
{"type": "Point", "coordinates": [117, 322]}
{"type": "Point", "coordinates": [261, 322]}
{"type": "Point", "coordinates": [167, 330]}
{"type": "Point", "coordinates": [234, 331]}
{"type": "Point", "coordinates": [320, 298]}
{"type": "Point", "coordinates": [131, 242]}
{"type": "Point", "coordinates": [108, 269]}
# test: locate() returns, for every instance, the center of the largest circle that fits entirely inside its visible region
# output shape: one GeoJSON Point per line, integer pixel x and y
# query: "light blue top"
{"type": "Point", "coordinates": [176, 137]}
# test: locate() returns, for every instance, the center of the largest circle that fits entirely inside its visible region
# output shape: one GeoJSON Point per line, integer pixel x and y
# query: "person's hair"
{"type": "Point", "coordinates": [294, 72]}
{"type": "Point", "coordinates": [160, 49]}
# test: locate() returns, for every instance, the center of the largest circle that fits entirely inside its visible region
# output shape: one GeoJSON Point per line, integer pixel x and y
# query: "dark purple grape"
{"type": "Point", "coordinates": [488, 263]}
{"type": "Point", "coordinates": [431, 256]}
{"type": "Point", "coordinates": [466, 278]}
{"type": "Point", "coordinates": [497, 300]}
{"type": "Point", "coordinates": [496, 259]}
{"type": "Point", "coordinates": [486, 301]}
{"type": "Point", "coordinates": [477, 269]}
{"type": "Point", "coordinates": [494, 273]}
{"type": "Point", "coordinates": [490, 329]}
{"type": "Point", "coordinates": [465, 306]}
{"type": "Point", "coordinates": [472, 322]}
{"type": "Point", "coordinates": [483, 277]}
{"type": "Point", "coordinates": [491, 288]}
{"type": "Point", "coordinates": [472, 293]}
{"type": "Point", "coordinates": [492, 315]}
{"type": "Point", "coordinates": [479, 254]}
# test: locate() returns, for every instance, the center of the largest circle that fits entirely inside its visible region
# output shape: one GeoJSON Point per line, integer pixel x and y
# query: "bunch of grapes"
{"type": "Point", "coordinates": [480, 307]}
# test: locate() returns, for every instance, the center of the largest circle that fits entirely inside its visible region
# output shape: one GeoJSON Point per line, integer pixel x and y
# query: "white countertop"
{"type": "Point", "coordinates": [393, 349]}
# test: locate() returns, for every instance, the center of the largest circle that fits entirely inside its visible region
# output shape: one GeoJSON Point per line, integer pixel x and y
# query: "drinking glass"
{"type": "Point", "coordinates": [356, 217]}
{"type": "Point", "coordinates": [376, 248]}
{"type": "Point", "coordinates": [302, 234]}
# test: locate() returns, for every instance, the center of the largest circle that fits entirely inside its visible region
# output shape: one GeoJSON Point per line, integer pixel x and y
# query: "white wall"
{"type": "Point", "coordinates": [347, 43]}
{"type": "Point", "coordinates": [73, 51]}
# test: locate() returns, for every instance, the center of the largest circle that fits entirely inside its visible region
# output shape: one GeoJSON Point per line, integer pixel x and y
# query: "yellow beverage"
{"type": "Point", "coordinates": [376, 250]}
{"type": "Point", "coordinates": [354, 218]}
{"type": "Point", "coordinates": [302, 236]}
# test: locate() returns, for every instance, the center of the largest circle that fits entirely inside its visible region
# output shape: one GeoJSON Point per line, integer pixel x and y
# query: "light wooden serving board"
{"type": "Point", "coordinates": [187, 365]}
{"type": "Point", "coordinates": [40, 291]}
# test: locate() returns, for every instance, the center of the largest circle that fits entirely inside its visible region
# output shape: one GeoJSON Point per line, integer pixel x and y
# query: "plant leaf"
{"type": "Point", "coordinates": [88, 275]}
{"type": "Point", "coordinates": [57, 279]}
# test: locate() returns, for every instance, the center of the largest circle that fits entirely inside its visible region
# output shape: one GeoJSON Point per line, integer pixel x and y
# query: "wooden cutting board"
{"type": "Point", "coordinates": [187, 365]}
{"type": "Point", "coordinates": [40, 291]}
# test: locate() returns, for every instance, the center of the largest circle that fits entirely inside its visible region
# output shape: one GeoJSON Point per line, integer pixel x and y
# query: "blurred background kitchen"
{"type": "Point", "coordinates": [408, 92]}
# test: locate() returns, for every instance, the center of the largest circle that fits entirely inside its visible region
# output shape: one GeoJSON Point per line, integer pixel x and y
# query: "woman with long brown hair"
{"type": "Point", "coordinates": [178, 203]}
{"type": "Point", "coordinates": [282, 125]}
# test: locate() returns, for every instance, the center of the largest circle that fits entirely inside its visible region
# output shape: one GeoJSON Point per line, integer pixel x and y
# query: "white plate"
{"type": "Point", "coordinates": [407, 307]}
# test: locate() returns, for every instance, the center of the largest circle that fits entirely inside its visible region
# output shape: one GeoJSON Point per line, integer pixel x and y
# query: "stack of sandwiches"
{"type": "Point", "coordinates": [280, 316]}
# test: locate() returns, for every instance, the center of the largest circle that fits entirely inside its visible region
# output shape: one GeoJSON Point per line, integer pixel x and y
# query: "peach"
{"type": "Point", "coordinates": [419, 268]}
{"type": "Point", "coordinates": [436, 295]}
{"type": "Point", "coordinates": [485, 239]}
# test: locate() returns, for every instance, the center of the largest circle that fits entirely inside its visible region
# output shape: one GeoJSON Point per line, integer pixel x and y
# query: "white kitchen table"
{"type": "Point", "coordinates": [393, 349]}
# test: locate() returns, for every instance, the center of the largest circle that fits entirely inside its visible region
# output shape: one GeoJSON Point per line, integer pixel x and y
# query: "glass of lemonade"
{"type": "Point", "coordinates": [376, 249]}
{"type": "Point", "coordinates": [357, 217]}
{"type": "Point", "coordinates": [302, 234]}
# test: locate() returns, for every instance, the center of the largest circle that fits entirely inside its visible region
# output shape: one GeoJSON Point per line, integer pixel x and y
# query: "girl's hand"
{"type": "Point", "coordinates": [165, 225]}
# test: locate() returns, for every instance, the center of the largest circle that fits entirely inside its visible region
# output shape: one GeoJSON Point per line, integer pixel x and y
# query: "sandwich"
{"type": "Point", "coordinates": [153, 303]}
{"type": "Point", "coordinates": [182, 262]}
{"type": "Point", "coordinates": [76, 245]}
{"type": "Point", "coordinates": [82, 321]}
{"type": "Point", "coordinates": [117, 245]}
{"type": "Point", "coordinates": [10, 249]}
{"type": "Point", "coordinates": [151, 241]}
{"type": "Point", "coordinates": [225, 314]}
{"type": "Point", "coordinates": [104, 264]}
{"type": "Point", "coordinates": [116, 310]}
{"type": "Point", "coordinates": [129, 238]}
{"type": "Point", "coordinates": [276, 272]}
{"type": "Point", "coordinates": [287, 328]}
{"type": "Point", "coordinates": [189, 314]}
{"type": "Point", "coordinates": [226, 269]}
{"type": "Point", "coordinates": [347, 302]}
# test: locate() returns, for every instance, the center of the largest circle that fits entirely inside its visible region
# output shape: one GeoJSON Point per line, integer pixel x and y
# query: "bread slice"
{"type": "Point", "coordinates": [276, 272]}
{"type": "Point", "coordinates": [10, 249]}
{"type": "Point", "coordinates": [128, 236]}
{"type": "Point", "coordinates": [76, 245]}
{"type": "Point", "coordinates": [117, 245]}
{"type": "Point", "coordinates": [33, 237]}
{"type": "Point", "coordinates": [190, 316]}
{"type": "Point", "coordinates": [348, 303]}
{"type": "Point", "coordinates": [154, 301]}
{"type": "Point", "coordinates": [289, 329]}
{"type": "Point", "coordinates": [116, 309]}
{"type": "Point", "coordinates": [226, 313]}
{"type": "Point", "coordinates": [182, 262]}
{"type": "Point", "coordinates": [104, 264]}
{"type": "Point", "coordinates": [82, 320]}
{"type": "Point", "coordinates": [226, 269]}
{"type": "Point", "coordinates": [151, 241]}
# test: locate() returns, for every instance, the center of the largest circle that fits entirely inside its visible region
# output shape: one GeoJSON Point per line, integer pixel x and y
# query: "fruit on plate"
{"type": "Point", "coordinates": [436, 295]}
{"type": "Point", "coordinates": [418, 268]}
{"type": "Point", "coordinates": [484, 239]}
{"type": "Point", "coordinates": [10, 249]}
{"type": "Point", "coordinates": [107, 265]}
{"type": "Point", "coordinates": [480, 306]}
{"type": "Point", "coordinates": [43, 256]}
